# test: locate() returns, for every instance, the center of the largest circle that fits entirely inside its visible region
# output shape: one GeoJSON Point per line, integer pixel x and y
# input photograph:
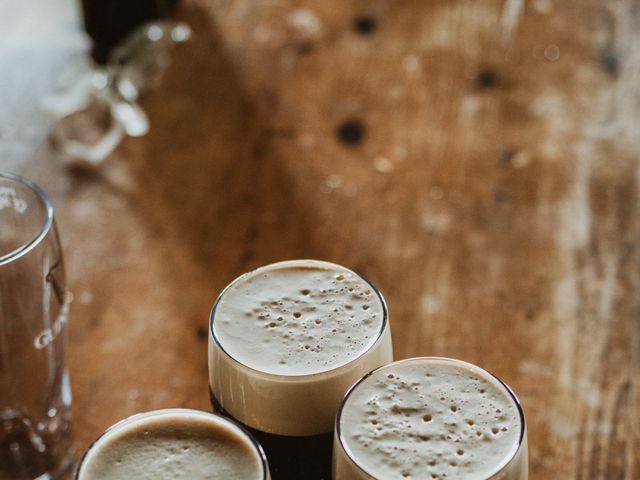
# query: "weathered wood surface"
{"type": "Point", "coordinates": [478, 160]}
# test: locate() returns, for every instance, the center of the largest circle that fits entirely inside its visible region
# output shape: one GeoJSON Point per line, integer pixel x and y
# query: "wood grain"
{"type": "Point", "coordinates": [477, 160]}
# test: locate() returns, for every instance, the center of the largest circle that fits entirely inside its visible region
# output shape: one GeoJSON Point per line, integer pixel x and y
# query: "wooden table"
{"type": "Point", "coordinates": [478, 160]}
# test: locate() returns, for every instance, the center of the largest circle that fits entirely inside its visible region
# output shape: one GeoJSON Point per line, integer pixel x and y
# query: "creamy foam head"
{"type": "Point", "coordinates": [430, 418]}
{"type": "Point", "coordinates": [287, 341]}
{"type": "Point", "coordinates": [173, 444]}
{"type": "Point", "coordinates": [298, 318]}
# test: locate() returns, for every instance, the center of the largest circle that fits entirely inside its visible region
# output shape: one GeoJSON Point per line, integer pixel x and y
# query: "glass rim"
{"type": "Point", "coordinates": [295, 377]}
{"type": "Point", "coordinates": [26, 247]}
{"type": "Point", "coordinates": [264, 464]}
{"type": "Point", "coordinates": [501, 467]}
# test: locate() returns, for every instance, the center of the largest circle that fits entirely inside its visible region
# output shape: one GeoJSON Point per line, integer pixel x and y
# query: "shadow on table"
{"type": "Point", "coordinates": [205, 173]}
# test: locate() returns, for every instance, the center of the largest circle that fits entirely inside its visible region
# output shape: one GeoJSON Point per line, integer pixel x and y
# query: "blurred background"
{"type": "Point", "coordinates": [478, 160]}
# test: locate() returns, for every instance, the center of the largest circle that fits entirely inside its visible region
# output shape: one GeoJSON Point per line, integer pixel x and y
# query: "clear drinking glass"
{"type": "Point", "coordinates": [35, 397]}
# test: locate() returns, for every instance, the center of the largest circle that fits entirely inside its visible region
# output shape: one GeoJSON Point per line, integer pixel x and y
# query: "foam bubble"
{"type": "Point", "coordinates": [430, 418]}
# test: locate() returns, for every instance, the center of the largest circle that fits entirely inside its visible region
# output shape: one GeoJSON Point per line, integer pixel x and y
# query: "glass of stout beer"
{"type": "Point", "coordinates": [430, 418]}
{"type": "Point", "coordinates": [174, 443]}
{"type": "Point", "coordinates": [108, 22]}
{"type": "Point", "coordinates": [286, 342]}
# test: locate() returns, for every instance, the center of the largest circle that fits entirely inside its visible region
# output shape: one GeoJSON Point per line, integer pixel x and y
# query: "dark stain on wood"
{"type": "Point", "coordinates": [610, 61]}
{"type": "Point", "coordinates": [202, 333]}
{"type": "Point", "coordinates": [486, 79]}
{"type": "Point", "coordinates": [351, 132]}
{"type": "Point", "coordinates": [365, 25]}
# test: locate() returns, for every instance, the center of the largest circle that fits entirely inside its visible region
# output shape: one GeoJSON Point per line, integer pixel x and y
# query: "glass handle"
{"type": "Point", "coordinates": [98, 106]}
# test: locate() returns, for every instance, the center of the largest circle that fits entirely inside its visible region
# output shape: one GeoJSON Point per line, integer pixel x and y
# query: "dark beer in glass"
{"type": "Point", "coordinates": [432, 418]}
{"type": "Point", "coordinates": [286, 342]}
{"type": "Point", "coordinates": [108, 22]}
{"type": "Point", "coordinates": [175, 443]}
